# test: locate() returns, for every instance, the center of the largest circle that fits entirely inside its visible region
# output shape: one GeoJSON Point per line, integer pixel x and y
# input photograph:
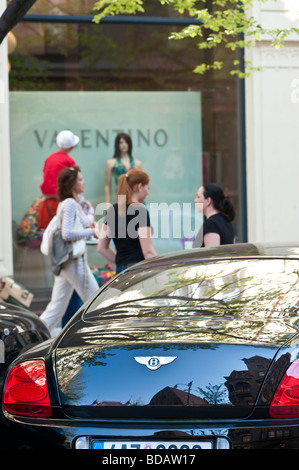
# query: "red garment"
{"type": "Point", "coordinates": [46, 211]}
{"type": "Point", "coordinates": [53, 165]}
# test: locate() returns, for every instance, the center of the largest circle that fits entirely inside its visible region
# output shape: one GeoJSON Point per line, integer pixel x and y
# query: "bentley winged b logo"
{"type": "Point", "coordinates": [154, 362]}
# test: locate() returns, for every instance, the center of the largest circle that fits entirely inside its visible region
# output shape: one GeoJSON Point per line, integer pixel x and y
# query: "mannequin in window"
{"type": "Point", "coordinates": [121, 162]}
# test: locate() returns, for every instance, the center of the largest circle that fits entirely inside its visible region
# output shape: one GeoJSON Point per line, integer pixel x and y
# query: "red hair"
{"type": "Point", "coordinates": [127, 182]}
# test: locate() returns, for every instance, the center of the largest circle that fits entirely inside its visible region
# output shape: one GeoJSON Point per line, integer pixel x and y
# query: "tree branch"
{"type": "Point", "coordinates": [13, 14]}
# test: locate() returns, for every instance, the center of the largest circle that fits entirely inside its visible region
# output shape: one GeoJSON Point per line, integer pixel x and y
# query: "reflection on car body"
{"type": "Point", "coordinates": [229, 317]}
{"type": "Point", "coordinates": [20, 330]}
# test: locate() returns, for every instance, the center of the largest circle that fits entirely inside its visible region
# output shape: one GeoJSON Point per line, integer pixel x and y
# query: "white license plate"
{"type": "Point", "coordinates": [152, 445]}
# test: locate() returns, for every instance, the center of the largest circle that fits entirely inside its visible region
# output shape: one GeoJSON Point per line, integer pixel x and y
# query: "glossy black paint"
{"type": "Point", "coordinates": [228, 315]}
{"type": "Point", "coordinates": [20, 330]}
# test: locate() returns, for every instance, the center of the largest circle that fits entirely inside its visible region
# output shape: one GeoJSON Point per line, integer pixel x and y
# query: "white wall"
{"type": "Point", "coordinates": [272, 127]}
{"type": "Point", "coordinates": [6, 263]}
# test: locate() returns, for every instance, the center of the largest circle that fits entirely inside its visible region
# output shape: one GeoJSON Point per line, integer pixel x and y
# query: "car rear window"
{"type": "Point", "coordinates": [269, 284]}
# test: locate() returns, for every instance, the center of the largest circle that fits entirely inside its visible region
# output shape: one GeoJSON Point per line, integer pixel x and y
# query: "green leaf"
{"type": "Point", "coordinates": [224, 22]}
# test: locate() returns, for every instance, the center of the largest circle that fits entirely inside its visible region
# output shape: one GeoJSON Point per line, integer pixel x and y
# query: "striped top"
{"type": "Point", "coordinates": [69, 209]}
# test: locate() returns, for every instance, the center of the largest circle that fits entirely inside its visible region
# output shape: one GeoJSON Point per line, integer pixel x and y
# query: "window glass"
{"type": "Point", "coordinates": [107, 58]}
{"type": "Point", "coordinates": [235, 288]}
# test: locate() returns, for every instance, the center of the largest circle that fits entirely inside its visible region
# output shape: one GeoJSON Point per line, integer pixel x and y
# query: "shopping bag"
{"type": "Point", "coordinates": [28, 233]}
{"type": "Point", "coordinates": [14, 293]}
{"type": "Point", "coordinates": [45, 244]}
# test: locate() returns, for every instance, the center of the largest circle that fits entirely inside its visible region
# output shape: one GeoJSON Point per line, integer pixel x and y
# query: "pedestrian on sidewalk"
{"type": "Point", "coordinates": [54, 163]}
{"type": "Point", "coordinates": [66, 141]}
{"type": "Point", "coordinates": [219, 213]}
{"type": "Point", "coordinates": [88, 212]}
{"type": "Point", "coordinates": [75, 273]}
{"type": "Point", "coordinates": [127, 222]}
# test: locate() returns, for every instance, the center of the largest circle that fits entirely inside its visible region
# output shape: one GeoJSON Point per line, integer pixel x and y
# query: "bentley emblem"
{"type": "Point", "coordinates": [154, 362]}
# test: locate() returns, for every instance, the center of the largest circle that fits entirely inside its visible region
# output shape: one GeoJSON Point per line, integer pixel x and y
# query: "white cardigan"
{"type": "Point", "coordinates": [68, 214]}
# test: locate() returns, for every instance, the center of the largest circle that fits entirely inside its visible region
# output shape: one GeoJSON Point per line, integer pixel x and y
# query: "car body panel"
{"type": "Point", "coordinates": [20, 329]}
{"type": "Point", "coordinates": [105, 382]}
{"type": "Point", "coordinates": [62, 433]}
{"type": "Point", "coordinates": [229, 318]}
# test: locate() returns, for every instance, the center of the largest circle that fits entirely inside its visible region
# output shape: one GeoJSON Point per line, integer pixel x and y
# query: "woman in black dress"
{"type": "Point", "coordinates": [128, 223]}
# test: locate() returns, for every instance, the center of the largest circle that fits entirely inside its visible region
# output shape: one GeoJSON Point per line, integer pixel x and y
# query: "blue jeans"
{"type": "Point", "coordinates": [74, 305]}
{"type": "Point", "coordinates": [120, 268]}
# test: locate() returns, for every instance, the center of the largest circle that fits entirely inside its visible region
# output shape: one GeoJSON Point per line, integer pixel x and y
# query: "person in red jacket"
{"type": "Point", "coordinates": [54, 163]}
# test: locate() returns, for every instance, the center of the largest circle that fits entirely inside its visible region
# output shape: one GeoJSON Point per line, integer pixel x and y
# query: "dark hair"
{"type": "Point", "coordinates": [128, 139]}
{"type": "Point", "coordinates": [66, 182]}
{"type": "Point", "coordinates": [221, 202]}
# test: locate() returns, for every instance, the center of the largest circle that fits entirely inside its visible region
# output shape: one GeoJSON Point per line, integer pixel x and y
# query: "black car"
{"type": "Point", "coordinates": [194, 350]}
{"type": "Point", "coordinates": [20, 329]}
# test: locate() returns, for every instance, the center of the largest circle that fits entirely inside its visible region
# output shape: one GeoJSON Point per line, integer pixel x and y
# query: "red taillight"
{"type": "Point", "coordinates": [26, 391]}
{"type": "Point", "coordinates": [285, 403]}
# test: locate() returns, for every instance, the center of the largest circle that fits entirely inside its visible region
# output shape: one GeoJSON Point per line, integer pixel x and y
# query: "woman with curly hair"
{"type": "Point", "coordinates": [75, 273]}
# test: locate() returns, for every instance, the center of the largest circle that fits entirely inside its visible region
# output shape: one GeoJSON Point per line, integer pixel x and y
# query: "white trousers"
{"type": "Point", "coordinates": [77, 275]}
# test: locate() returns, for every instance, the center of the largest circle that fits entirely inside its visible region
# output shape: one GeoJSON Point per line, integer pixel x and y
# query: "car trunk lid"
{"type": "Point", "coordinates": [197, 370]}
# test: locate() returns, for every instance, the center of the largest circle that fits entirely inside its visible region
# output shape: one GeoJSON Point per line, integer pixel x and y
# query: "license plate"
{"type": "Point", "coordinates": [152, 445]}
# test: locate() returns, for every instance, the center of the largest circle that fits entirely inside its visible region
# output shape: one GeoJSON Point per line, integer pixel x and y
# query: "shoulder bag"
{"type": "Point", "coordinates": [51, 227]}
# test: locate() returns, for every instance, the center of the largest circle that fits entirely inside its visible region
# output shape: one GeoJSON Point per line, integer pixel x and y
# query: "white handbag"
{"type": "Point", "coordinates": [51, 227]}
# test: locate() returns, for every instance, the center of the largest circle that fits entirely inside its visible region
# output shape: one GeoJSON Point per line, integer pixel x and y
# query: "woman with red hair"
{"type": "Point", "coordinates": [128, 223]}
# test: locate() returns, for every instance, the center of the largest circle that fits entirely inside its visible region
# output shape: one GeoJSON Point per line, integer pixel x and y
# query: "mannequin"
{"type": "Point", "coordinates": [121, 162]}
